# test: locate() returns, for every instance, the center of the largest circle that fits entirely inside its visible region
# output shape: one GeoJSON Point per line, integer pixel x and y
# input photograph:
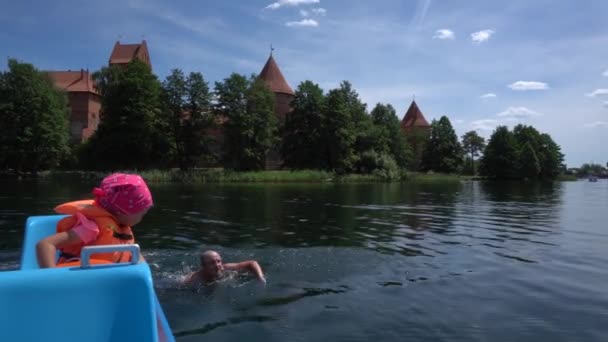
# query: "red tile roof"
{"type": "Point", "coordinates": [73, 81]}
{"type": "Point", "coordinates": [274, 78]}
{"type": "Point", "coordinates": [414, 118]}
{"type": "Point", "coordinates": [125, 53]}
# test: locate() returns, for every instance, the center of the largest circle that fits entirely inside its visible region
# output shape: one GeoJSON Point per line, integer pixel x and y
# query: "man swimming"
{"type": "Point", "coordinates": [212, 269]}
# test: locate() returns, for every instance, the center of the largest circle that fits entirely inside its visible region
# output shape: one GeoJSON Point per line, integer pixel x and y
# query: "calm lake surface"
{"type": "Point", "coordinates": [470, 261]}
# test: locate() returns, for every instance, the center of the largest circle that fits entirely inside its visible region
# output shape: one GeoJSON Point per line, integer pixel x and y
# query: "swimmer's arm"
{"type": "Point", "coordinates": [249, 265]}
{"type": "Point", "coordinates": [190, 280]}
{"type": "Point", "coordinates": [47, 247]}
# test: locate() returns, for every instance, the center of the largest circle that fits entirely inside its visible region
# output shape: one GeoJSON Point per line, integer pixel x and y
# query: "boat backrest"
{"type": "Point", "coordinates": [36, 229]}
{"type": "Point", "coordinates": [102, 303]}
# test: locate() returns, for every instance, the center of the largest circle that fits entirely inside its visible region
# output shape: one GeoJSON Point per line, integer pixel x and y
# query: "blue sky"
{"type": "Point", "coordinates": [481, 63]}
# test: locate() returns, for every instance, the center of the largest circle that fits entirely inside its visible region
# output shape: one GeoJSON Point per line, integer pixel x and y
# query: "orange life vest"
{"type": "Point", "coordinates": [110, 231]}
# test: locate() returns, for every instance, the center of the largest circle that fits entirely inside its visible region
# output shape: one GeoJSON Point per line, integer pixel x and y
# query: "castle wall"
{"type": "Point", "coordinates": [84, 115]}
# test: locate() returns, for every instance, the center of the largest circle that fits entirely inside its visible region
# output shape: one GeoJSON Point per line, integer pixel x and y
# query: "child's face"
{"type": "Point", "coordinates": [133, 219]}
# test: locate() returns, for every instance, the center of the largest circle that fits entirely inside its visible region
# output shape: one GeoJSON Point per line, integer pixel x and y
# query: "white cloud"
{"type": "Point", "coordinates": [488, 96]}
{"type": "Point", "coordinates": [597, 92]}
{"type": "Point", "coordinates": [481, 36]}
{"type": "Point", "coordinates": [303, 23]}
{"type": "Point", "coordinates": [304, 13]}
{"type": "Point", "coordinates": [518, 112]}
{"type": "Point", "coordinates": [528, 85]}
{"type": "Point", "coordinates": [596, 124]}
{"type": "Point", "coordinates": [444, 34]}
{"type": "Point", "coordinates": [281, 3]}
{"type": "Point", "coordinates": [605, 73]}
{"type": "Point", "coordinates": [319, 11]}
{"type": "Point", "coordinates": [485, 124]}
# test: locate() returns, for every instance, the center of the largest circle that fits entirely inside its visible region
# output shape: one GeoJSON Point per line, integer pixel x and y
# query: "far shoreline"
{"type": "Point", "coordinates": [217, 176]}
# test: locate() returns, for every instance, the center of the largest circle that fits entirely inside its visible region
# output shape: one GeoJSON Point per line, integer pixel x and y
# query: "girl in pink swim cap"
{"type": "Point", "coordinates": [124, 195]}
{"type": "Point", "coordinates": [121, 201]}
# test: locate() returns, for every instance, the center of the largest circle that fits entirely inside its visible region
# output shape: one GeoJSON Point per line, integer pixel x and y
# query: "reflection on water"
{"type": "Point", "coordinates": [470, 261]}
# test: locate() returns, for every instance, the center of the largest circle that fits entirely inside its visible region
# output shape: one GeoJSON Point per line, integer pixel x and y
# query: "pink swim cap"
{"type": "Point", "coordinates": [123, 194]}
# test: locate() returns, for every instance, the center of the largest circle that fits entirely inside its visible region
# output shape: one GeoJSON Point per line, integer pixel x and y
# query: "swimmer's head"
{"type": "Point", "coordinates": [211, 262]}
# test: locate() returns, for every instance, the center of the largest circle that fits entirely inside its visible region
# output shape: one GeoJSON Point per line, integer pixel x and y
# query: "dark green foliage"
{"type": "Point", "coordinates": [539, 156]}
{"type": "Point", "coordinates": [132, 133]}
{"type": "Point", "coordinates": [303, 144]}
{"type": "Point", "coordinates": [472, 145]}
{"type": "Point", "coordinates": [418, 139]}
{"type": "Point", "coordinates": [551, 157]}
{"type": "Point", "coordinates": [443, 152]}
{"type": "Point", "coordinates": [500, 155]}
{"type": "Point", "coordinates": [187, 114]}
{"type": "Point", "coordinates": [591, 169]}
{"type": "Point", "coordinates": [34, 131]}
{"type": "Point", "coordinates": [389, 138]}
{"type": "Point", "coordinates": [340, 129]}
{"type": "Point", "coordinates": [523, 154]}
{"type": "Point", "coordinates": [148, 125]}
{"type": "Point", "coordinates": [250, 129]}
{"type": "Point", "coordinates": [336, 133]}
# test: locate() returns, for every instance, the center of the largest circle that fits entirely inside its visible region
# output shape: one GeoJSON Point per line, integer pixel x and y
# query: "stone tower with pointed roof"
{"type": "Point", "coordinates": [272, 75]}
{"type": "Point", "coordinates": [416, 130]}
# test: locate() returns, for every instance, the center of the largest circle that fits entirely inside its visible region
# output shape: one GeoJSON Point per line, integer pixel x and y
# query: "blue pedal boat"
{"type": "Point", "coordinates": [109, 303]}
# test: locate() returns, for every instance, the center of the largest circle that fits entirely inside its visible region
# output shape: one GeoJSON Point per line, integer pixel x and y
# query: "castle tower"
{"type": "Point", "coordinates": [273, 77]}
{"type": "Point", "coordinates": [84, 101]}
{"type": "Point", "coordinates": [122, 54]}
{"type": "Point", "coordinates": [416, 130]}
{"type": "Point", "coordinates": [414, 120]}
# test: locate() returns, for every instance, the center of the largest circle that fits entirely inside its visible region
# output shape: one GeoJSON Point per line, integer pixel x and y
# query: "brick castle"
{"type": "Point", "coordinates": [85, 100]}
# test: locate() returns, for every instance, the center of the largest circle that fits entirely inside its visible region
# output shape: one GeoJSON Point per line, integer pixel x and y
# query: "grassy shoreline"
{"type": "Point", "coordinates": [202, 176]}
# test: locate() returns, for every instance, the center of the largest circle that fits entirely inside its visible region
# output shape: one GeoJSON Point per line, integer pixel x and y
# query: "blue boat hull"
{"type": "Point", "coordinates": [99, 303]}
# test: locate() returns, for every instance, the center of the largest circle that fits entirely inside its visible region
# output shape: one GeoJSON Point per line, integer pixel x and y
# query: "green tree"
{"type": "Point", "coordinates": [339, 129]}
{"type": "Point", "coordinates": [539, 155]}
{"type": "Point", "coordinates": [188, 116]}
{"type": "Point", "coordinates": [364, 131]}
{"type": "Point", "coordinates": [552, 162]}
{"type": "Point", "coordinates": [524, 153]}
{"type": "Point", "coordinates": [303, 140]}
{"type": "Point", "coordinates": [418, 140]}
{"type": "Point", "coordinates": [590, 169]}
{"type": "Point", "coordinates": [174, 98]}
{"type": "Point", "coordinates": [390, 139]}
{"type": "Point", "coordinates": [443, 152]}
{"type": "Point", "coordinates": [529, 157]}
{"type": "Point", "coordinates": [472, 145]}
{"type": "Point", "coordinates": [131, 134]}
{"type": "Point", "coordinates": [500, 155]}
{"type": "Point", "coordinates": [528, 165]}
{"type": "Point", "coordinates": [34, 130]}
{"type": "Point", "coordinates": [250, 129]}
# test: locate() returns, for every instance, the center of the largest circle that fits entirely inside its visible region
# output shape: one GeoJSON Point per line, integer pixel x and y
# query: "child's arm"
{"type": "Point", "coordinates": [249, 265]}
{"type": "Point", "coordinates": [47, 247]}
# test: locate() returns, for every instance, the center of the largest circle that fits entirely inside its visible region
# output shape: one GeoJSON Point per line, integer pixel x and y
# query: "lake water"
{"type": "Point", "coordinates": [470, 261]}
